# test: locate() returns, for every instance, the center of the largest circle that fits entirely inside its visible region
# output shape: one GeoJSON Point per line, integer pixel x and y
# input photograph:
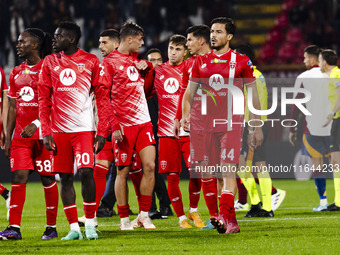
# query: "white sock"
{"type": "Point", "coordinates": [144, 214]}
{"type": "Point", "coordinates": [323, 202]}
{"type": "Point", "coordinates": [124, 219]}
{"type": "Point", "coordinates": [192, 210]}
{"type": "Point", "coordinates": [181, 218]}
{"type": "Point", "coordinates": [89, 222]}
{"type": "Point", "coordinates": [75, 227]}
{"type": "Point", "coordinates": [49, 226]}
{"type": "Point", "coordinates": [15, 226]}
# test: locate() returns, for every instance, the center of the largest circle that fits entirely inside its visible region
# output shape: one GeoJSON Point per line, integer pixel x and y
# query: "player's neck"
{"type": "Point", "coordinates": [123, 49]}
{"type": "Point", "coordinates": [71, 50]}
{"type": "Point", "coordinates": [176, 63]}
{"type": "Point", "coordinates": [222, 50]}
{"type": "Point", "coordinates": [329, 69]}
{"type": "Point", "coordinates": [204, 50]}
{"type": "Point", "coordinates": [33, 60]}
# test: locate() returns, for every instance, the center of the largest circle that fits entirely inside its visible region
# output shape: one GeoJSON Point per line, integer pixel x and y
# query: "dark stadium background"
{"type": "Point", "coordinates": [277, 29]}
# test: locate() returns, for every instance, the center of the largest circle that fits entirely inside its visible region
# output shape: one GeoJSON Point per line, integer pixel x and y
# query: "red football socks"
{"type": "Point", "coordinates": [18, 196]}
{"type": "Point", "coordinates": [209, 187]}
{"type": "Point", "coordinates": [175, 194]}
{"type": "Point", "coordinates": [99, 176]}
{"type": "Point", "coordinates": [194, 191]}
{"type": "Point", "coordinates": [51, 199]}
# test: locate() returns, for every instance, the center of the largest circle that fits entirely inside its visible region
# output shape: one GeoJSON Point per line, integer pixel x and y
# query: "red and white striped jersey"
{"type": "Point", "coordinates": [219, 75]}
{"type": "Point", "coordinates": [168, 84]}
{"type": "Point", "coordinates": [66, 92]}
{"type": "Point", "coordinates": [23, 82]}
{"type": "Point", "coordinates": [126, 105]}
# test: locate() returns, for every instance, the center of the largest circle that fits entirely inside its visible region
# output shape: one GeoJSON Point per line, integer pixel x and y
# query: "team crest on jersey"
{"type": "Point", "coordinates": [81, 67]}
{"type": "Point", "coordinates": [171, 85]}
{"type": "Point", "coordinates": [232, 64]}
{"type": "Point", "coordinates": [162, 77]}
{"type": "Point", "coordinates": [132, 73]}
{"type": "Point", "coordinates": [216, 81]}
{"type": "Point", "coordinates": [123, 157]}
{"type": "Point", "coordinates": [163, 164]}
{"type": "Point", "coordinates": [26, 93]}
{"type": "Point", "coordinates": [67, 77]}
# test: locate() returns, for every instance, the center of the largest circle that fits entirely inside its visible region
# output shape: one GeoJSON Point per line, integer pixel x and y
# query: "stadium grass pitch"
{"type": "Point", "coordinates": [295, 229]}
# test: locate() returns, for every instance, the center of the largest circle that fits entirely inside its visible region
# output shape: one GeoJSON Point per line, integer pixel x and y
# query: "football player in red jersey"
{"type": "Point", "coordinates": [168, 84]}
{"type": "Point", "coordinates": [198, 38]}
{"type": "Point", "coordinates": [26, 149]}
{"type": "Point", "coordinates": [121, 76]}
{"type": "Point", "coordinates": [213, 71]}
{"type": "Point", "coordinates": [67, 121]}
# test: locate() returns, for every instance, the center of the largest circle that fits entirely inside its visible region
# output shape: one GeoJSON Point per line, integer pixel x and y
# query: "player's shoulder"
{"type": "Point", "coordinates": [335, 73]}
{"type": "Point", "coordinates": [18, 68]}
{"type": "Point", "coordinates": [242, 58]}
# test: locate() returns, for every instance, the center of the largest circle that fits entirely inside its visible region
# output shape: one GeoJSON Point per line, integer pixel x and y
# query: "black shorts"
{"type": "Point", "coordinates": [260, 152]}
{"type": "Point", "coordinates": [335, 136]}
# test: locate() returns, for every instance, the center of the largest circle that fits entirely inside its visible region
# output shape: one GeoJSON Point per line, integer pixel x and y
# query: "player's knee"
{"type": "Point", "coordinates": [149, 167]}
{"type": "Point", "coordinates": [85, 173]}
{"type": "Point", "coordinates": [19, 177]}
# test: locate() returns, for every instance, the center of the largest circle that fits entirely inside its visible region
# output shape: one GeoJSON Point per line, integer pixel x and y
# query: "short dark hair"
{"type": "Point", "coordinates": [130, 28]}
{"type": "Point", "coordinates": [200, 31]}
{"type": "Point", "coordinates": [178, 40]}
{"type": "Point", "coordinates": [229, 24]}
{"type": "Point", "coordinates": [329, 56]}
{"type": "Point", "coordinates": [72, 27]}
{"type": "Point", "coordinates": [247, 50]}
{"type": "Point", "coordinates": [152, 50]}
{"type": "Point", "coordinates": [313, 50]}
{"type": "Point", "coordinates": [44, 40]}
{"type": "Point", "coordinates": [113, 34]}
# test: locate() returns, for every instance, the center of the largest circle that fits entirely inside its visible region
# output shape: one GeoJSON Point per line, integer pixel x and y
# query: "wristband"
{"type": "Point", "coordinates": [37, 123]}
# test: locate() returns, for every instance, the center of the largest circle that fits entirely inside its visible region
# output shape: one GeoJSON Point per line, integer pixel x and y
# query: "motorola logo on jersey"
{"type": "Point", "coordinates": [132, 73]}
{"type": "Point", "coordinates": [216, 81]}
{"type": "Point", "coordinates": [27, 94]}
{"type": "Point", "coordinates": [171, 85]}
{"type": "Point", "coordinates": [67, 77]}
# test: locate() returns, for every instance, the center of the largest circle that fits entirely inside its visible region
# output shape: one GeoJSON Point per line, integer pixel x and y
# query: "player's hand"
{"type": "Point", "coordinates": [258, 137]}
{"type": "Point", "coordinates": [292, 138]}
{"type": "Point", "coordinates": [118, 134]}
{"type": "Point", "coordinates": [329, 119]}
{"type": "Point", "coordinates": [177, 128]}
{"type": "Point", "coordinates": [142, 65]}
{"type": "Point", "coordinates": [8, 147]}
{"type": "Point", "coordinates": [99, 143]}
{"type": "Point", "coordinates": [186, 123]}
{"type": "Point", "coordinates": [49, 143]}
{"type": "Point", "coordinates": [29, 130]}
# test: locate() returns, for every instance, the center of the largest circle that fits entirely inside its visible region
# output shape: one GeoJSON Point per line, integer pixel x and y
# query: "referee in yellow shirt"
{"type": "Point", "coordinates": [327, 62]}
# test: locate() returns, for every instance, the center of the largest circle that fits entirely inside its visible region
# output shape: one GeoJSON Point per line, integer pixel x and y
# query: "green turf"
{"type": "Point", "coordinates": [295, 229]}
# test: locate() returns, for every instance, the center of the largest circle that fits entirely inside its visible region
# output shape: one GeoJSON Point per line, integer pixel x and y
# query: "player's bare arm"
{"type": "Point", "coordinates": [255, 137]}
{"type": "Point", "coordinates": [30, 129]}
{"type": "Point", "coordinates": [292, 138]}
{"type": "Point", "coordinates": [11, 118]}
{"type": "Point", "coordinates": [177, 128]}
{"type": "Point", "coordinates": [334, 110]}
